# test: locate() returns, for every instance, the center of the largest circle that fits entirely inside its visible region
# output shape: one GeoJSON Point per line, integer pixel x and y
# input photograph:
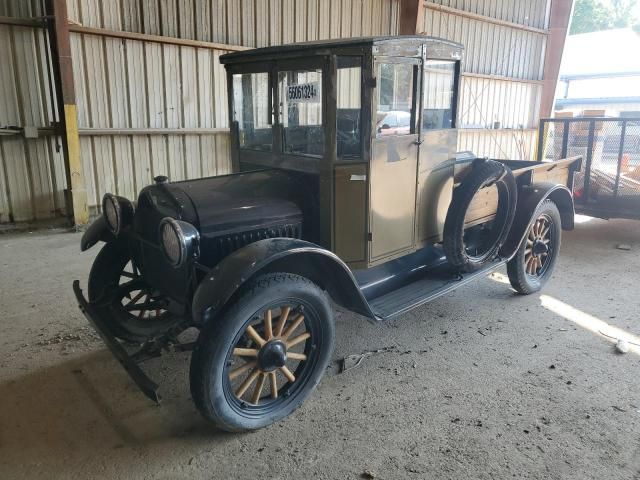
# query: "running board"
{"type": "Point", "coordinates": [421, 291]}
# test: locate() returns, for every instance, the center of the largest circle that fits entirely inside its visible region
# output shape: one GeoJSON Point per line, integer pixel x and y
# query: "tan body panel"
{"type": "Point", "coordinates": [435, 183]}
{"type": "Point", "coordinates": [350, 217]}
{"type": "Point", "coordinates": [392, 196]}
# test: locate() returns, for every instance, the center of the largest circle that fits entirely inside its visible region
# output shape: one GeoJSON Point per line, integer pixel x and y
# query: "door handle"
{"type": "Point", "coordinates": [418, 142]}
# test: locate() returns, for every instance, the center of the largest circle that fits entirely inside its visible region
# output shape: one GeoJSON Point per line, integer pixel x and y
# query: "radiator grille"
{"type": "Point", "coordinates": [225, 245]}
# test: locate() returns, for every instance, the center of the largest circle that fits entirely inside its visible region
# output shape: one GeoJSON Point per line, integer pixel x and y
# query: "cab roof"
{"type": "Point", "coordinates": [317, 46]}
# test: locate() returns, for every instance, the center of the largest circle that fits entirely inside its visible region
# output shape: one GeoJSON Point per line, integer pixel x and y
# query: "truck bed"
{"type": "Point", "coordinates": [484, 205]}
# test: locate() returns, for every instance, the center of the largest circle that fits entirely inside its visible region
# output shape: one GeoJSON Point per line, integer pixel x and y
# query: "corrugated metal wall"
{"type": "Point", "coordinates": [149, 107]}
{"type": "Point", "coordinates": [503, 66]}
{"type": "Point", "coordinates": [251, 23]}
{"type": "Point", "coordinates": [135, 84]}
{"type": "Point", "coordinates": [32, 177]}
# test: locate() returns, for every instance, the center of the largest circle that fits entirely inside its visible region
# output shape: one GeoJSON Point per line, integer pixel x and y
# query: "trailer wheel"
{"type": "Point", "coordinates": [259, 360]}
{"type": "Point", "coordinates": [129, 307]}
{"type": "Point", "coordinates": [536, 257]}
{"type": "Point", "coordinates": [460, 252]}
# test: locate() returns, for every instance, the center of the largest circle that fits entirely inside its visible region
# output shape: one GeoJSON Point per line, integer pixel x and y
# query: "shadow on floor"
{"type": "Point", "coordinates": [88, 406]}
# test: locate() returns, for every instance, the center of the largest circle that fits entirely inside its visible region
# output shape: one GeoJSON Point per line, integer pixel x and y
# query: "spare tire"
{"type": "Point", "coordinates": [490, 238]}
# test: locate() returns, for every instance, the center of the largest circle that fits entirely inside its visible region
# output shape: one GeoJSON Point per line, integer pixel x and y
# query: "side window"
{"type": "Point", "coordinates": [439, 77]}
{"type": "Point", "coordinates": [395, 99]}
{"type": "Point", "coordinates": [349, 107]}
{"type": "Point", "coordinates": [251, 101]}
{"type": "Point", "coordinates": [301, 111]}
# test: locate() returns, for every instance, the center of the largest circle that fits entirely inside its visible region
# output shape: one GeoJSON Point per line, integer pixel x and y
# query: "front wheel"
{"type": "Point", "coordinates": [131, 309]}
{"type": "Point", "coordinates": [533, 264]}
{"type": "Point", "coordinates": [259, 360]}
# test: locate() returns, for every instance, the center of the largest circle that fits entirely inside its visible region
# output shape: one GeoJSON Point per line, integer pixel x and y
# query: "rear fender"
{"type": "Point", "coordinates": [286, 255]}
{"type": "Point", "coordinates": [529, 199]}
{"type": "Point", "coordinates": [96, 232]}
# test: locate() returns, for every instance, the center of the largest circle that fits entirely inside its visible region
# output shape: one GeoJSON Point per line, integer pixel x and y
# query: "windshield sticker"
{"type": "Point", "coordinates": [304, 93]}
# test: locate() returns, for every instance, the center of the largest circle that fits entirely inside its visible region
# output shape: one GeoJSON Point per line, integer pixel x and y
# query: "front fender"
{"type": "Point", "coordinates": [97, 231]}
{"type": "Point", "coordinates": [529, 199]}
{"type": "Point", "coordinates": [277, 255]}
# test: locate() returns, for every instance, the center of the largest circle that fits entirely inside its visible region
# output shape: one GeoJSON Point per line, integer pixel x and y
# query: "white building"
{"type": "Point", "coordinates": [601, 71]}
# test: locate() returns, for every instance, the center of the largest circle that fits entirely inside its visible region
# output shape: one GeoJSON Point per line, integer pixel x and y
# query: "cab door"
{"type": "Point", "coordinates": [394, 157]}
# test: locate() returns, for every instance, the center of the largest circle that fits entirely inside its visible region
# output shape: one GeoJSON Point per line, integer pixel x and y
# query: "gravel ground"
{"type": "Point", "coordinates": [481, 383]}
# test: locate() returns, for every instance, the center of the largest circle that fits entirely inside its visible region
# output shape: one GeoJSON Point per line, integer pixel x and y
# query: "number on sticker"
{"type": "Point", "coordinates": [304, 92]}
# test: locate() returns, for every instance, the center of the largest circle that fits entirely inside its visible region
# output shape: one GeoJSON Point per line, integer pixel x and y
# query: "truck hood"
{"type": "Point", "coordinates": [223, 206]}
{"type": "Point", "coordinates": [236, 203]}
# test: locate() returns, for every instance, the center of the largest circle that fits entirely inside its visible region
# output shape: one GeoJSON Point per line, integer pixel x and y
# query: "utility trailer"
{"type": "Point", "coordinates": [346, 187]}
{"type": "Point", "coordinates": [609, 185]}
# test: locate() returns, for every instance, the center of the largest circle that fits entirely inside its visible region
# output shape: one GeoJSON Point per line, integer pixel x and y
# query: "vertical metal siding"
{"type": "Point", "coordinates": [502, 144]}
{"type": "Point", "coordinates": [134, 84]}
{"type": "Point", "coordinates": [484, 101]}
{"type": "Point", "coordinates": [21, 8]}
{"type": "Point", "coordinates": [532, 13]}
{"type": "Point", "coordinates": [490, 49]}
{"type": "Point", "coordinates": [32, 178]}
{"type": "Point", "coordinates": [498, 55]}
{"type": "Point", "coordinates": [251, 23]}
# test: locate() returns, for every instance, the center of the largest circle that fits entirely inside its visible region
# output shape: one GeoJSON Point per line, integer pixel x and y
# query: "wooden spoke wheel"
{"type": "Point", "coordinates": [536, 257]}
{"type": "Point", "coordinates": [538, 246]}
{"type": "Point", "coordinates": [128, 305]}
{"type": "Point", "coordinates": [136, 298]}
{"type": "Point", "coordinates": [272, 348]}
{"type": "Point", "coordinates": [257, 362]}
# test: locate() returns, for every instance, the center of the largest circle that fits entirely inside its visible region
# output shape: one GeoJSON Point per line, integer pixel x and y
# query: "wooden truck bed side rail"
{"type": "Point", "coordinates": [485, 203]}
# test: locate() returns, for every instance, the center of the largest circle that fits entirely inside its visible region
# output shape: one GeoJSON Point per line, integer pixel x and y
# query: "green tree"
{"type": "Point", "coordinates": [595, 15]}
{"type": "Point", "coordinates": [622, 13]}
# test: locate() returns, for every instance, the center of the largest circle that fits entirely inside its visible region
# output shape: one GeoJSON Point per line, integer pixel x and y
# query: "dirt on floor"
{"type": "Point", "coordinates": [481, 383]}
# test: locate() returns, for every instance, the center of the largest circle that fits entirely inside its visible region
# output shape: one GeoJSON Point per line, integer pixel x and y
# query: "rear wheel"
{"type": "Point", "coordinates": [128, 306]}
{"type": "Point", "coordinates": [262, 358]}
{"type": "Point", "coordinates": [533, 264]}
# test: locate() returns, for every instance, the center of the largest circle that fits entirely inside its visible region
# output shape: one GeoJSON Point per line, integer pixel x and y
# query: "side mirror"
{"type": "Point", "coordinates": [385, 127]}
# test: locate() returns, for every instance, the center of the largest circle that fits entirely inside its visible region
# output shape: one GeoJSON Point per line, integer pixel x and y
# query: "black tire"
{"type": "Point", "coordinates": [212, 362]}
{"type": "Point", "coordinates": [525, 277]}
{"type": "Point", "coordinates": [109, 285]}
{"type": "Point", "coordinates": [484, 174]}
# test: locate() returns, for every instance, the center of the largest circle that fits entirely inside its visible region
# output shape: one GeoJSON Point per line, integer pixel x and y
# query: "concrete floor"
{"type": "Point", "coordinates": [479, 384]}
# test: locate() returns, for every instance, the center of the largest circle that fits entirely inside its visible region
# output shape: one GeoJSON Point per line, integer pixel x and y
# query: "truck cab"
{"type": "Point", "coordinates": [372, 125]}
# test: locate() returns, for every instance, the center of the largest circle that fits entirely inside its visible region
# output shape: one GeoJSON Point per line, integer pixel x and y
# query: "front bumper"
{"type": "Point", "coordinates": [146, 385]}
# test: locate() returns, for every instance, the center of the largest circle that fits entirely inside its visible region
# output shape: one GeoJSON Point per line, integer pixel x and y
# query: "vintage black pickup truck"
{"type": "Point", "coordinates": [347, 189]}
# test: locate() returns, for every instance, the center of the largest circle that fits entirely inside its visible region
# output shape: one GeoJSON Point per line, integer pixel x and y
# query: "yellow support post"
{"type": "Point", "coordinates": [74, 166]}
{"type": "Point", "coordinates": [63, 71]}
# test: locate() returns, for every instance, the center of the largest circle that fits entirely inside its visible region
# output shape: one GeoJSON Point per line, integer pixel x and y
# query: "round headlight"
{"type": "Point", "coordinates": [179, 241]}
{"type": "Point", "coordinates": [117, 211]}
{"type": "Point", "coordinates": [112, 213]}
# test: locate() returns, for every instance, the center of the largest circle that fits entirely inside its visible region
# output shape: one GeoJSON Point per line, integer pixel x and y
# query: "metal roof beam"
{"type": "Point", "coordinates": [144, 37]}
{"type": "Point", "coordinates": [559, 19]}
{"type": "Point", "coordinates": [484, 18]}
{"type": "Point", "coordinates": [411, 12]}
